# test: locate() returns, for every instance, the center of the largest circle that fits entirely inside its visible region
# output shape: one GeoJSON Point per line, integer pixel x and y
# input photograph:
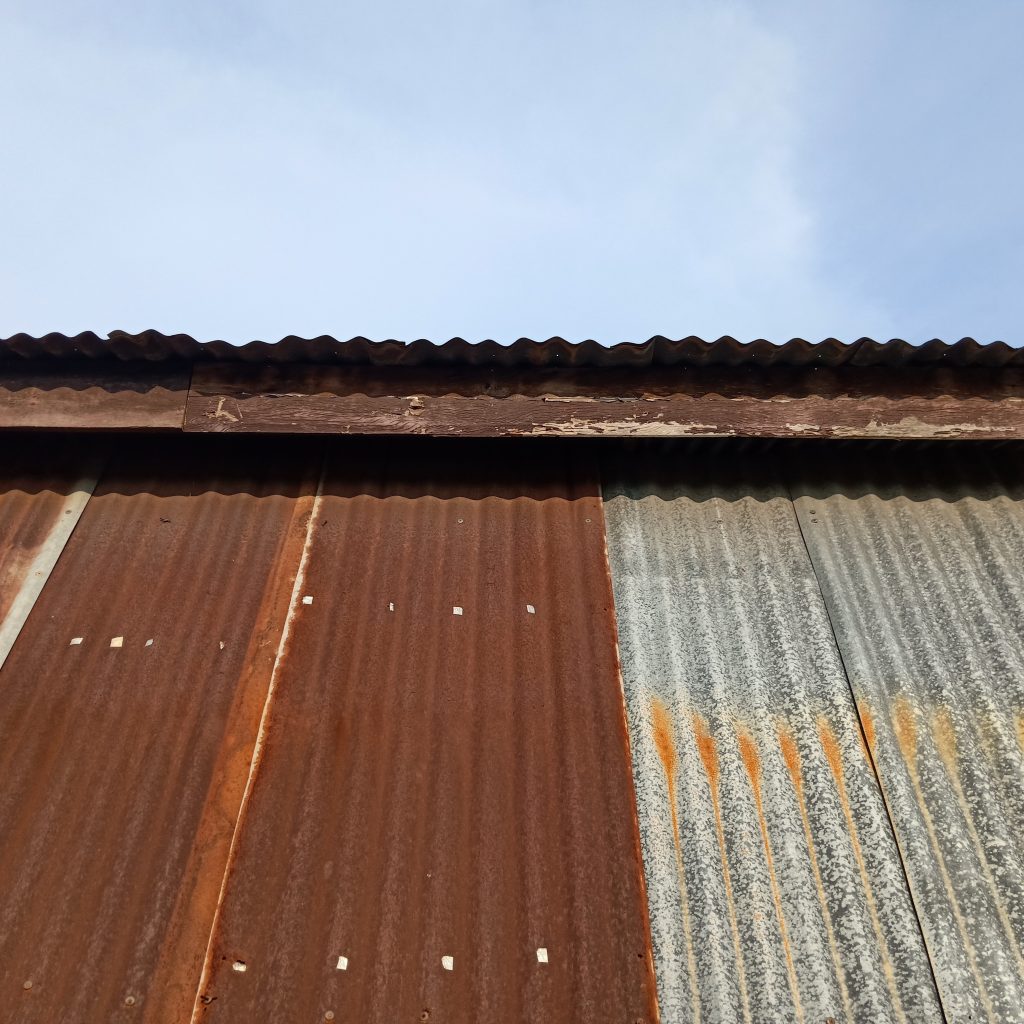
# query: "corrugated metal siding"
{"type": "Point", "coordinates": [123, 767]}
{"type": "Point", "coordinates": [439, 784]}
{"type": "Point", "coordinates": [775, 887]}
{"type": "Point", "coordinates": [42, 494]}
{"type": "Point", "coordinates": [656, 351]}
{"type": "Point", "coordinates": [924, 581]}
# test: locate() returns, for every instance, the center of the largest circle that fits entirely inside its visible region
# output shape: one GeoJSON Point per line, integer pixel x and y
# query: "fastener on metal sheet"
{"type": "Point", "coordinates": [27, 985]}
{"type": "Point", "coordinates": [456, 610]}
{"type": "Point", "coordinates": [329, 1015]}
{"type": "Point", "coordinates": [149, 643]}
{"type": "Point", "coordinates": [238, 965]}
{"type": "Point", "coordinates": [461, 520]}
{"type": "Point", "coordinates": [342, 963]}
{"type": "Point", "coordinates": [531, 609]}
{"type": "Point", "coordinates": [222, 645]}
{"type": "Point", "coordinates": [542, 955]}
{"type": "Point", "coordinates": [117, 641]}
{"type": "Point", "coordinates": [391, 606]}
{"type": "Point", "coordinates": [307, 599]}
{"type": "Point", "coordinates": [75, 641]}
{"type": "Point", "coordinates": [448, 963]}
{"type": "Point", "coordinates": [129, 1000]}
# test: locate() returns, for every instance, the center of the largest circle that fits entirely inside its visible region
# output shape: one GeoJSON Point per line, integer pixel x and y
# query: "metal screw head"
{"type": "Point", "coordinates": [129, 1001]}
{"type": "Point", "coordinates": [27, 985]}
{"type": "Point", "coordinates": [329, 1015]}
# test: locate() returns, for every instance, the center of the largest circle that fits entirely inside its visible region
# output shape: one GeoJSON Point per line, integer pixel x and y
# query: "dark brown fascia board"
{"type": "Point", "coordinates": [846, 402]}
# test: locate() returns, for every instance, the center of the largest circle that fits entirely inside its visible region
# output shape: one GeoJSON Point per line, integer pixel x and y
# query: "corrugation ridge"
{"type": "Point", "coordinates": [524, 352]}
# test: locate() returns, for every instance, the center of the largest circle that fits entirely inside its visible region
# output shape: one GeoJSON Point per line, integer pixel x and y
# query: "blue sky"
{"type": "Point", "coordinates": [499, 168]}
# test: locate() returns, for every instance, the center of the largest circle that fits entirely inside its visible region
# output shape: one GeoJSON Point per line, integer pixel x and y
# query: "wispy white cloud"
{"type": "Point", "coordinates": [488, 169]}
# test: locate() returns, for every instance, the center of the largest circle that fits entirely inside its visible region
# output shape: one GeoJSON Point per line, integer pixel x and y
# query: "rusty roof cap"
{"type": "Point", "coordinates": [552, 352]}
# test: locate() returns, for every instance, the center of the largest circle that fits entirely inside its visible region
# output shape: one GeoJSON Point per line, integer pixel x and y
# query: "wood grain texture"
{"type": "Point", "coordinates": [737, 401]}
{"type": "Point", "coordinates": [93, 397]}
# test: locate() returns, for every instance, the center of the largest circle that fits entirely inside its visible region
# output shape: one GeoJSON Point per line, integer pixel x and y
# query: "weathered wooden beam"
{"type": "Point", "coordinates": [93, 395]}
{"type": "Point", "coordinates": [656, 402]}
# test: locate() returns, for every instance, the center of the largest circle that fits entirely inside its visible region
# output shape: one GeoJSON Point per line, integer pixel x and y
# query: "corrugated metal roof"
{"type": "Point", "coordinates": [775, 887]}
{"type": "Point", "coordinates": [921, 568]}
{"type": "Point", "coordinates": [552, 352]}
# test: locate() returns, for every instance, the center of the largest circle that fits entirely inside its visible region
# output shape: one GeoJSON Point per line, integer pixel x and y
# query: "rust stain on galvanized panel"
{"type": "Point", "coordinates": [920, 565]}
{"type": "Point", "coordinates": [446, 770]}
{"type": "Point", "coordinates": [123, 756]}
{"type": "Point", "coordinates": [792, 893]}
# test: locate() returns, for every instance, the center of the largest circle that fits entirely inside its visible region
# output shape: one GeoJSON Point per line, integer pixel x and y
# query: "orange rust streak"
{"type": "Point", "coordinates": [661, 724]}
{"type": "Point", "coordinates": [867, 724]}
{"type": "Point", "coordinates": [752, 762]}
{"type": "Point", "coordinates": [905, 728]}
{"type": "Point", "coordinates": [791, 757]}
{"type": "Point", "coordinates": [944, 736]}
{"type": "Point", "coordinates": [833, 755]}
{"type": "Point", "coordinates": [708, 751]}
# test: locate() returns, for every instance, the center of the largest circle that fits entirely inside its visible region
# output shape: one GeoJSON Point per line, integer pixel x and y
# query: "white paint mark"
{"type": "Point", "coordinates": [456, 610]}
{"type": "Point", "coordinates": [448, 963]}
{"type": "Point", "coordinates": [238, 965]}
{"type": "Point", "coordinates": [531, 609]}
{"type": "Point", "coordinates": [222, 645]}
{"type": "Point", "coordinates": [75, 641]}
{"type": "Point", "coordinates": [391, 606]}
{"type": "Point", "coordinates": [342, 963]}
{"type": "Point", "coordinates": [149, 643]}
{"type": "Point", "coordinates": [38, 571]}
{"type": "Point", "coordinates": [117, 641]}
{"type": "Point", "coordinates": [307, 599]}
{"type": "Point", "coordinates": [542, 955]}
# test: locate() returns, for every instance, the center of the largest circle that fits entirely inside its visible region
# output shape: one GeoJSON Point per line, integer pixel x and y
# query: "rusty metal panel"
{"type": "Point", "coordinates": [130, 706]}
{"type": "Point", "coordinates": [43, 490]}
{"type": "Point", "coordinates": [921, 567]}
{"type": "Point", "coordinates": [445, 771]}
{"type": "Point", "coordinates": [775, 886]}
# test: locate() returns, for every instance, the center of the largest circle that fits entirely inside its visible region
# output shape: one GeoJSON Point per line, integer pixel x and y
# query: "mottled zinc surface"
{"type": "Point", "coordinates": [446, 771]}
{"type": "Point", "coordinates": [922, 566]}
{"type": "Point", "coordinates": [774, 884]}
{"type": "Point", "coordinates": [123, 756]}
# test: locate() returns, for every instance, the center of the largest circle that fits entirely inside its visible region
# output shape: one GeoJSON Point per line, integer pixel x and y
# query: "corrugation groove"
{"type": "Point", "coordinates": [920, 567]}
{"type": "Point", "coordinates": [656, 351]}
{"type": "Point", "coordinates": [123, 767]}
{"type": "Point", "coordinates": [774, 884]}
{"type": "Point", "coordinates": [439, 784]}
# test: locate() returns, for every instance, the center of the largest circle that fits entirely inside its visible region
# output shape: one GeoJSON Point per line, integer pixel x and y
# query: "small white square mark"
{"type": "Point", "coordinates": [238, 965]}
{"type": "Point", "coordinates": [531, 610]}
{"type": "Point", "coordinates": [75, 641]}
{"type": "Point", "coordinates": [342, 963]}
{"type": "Point", "coordinates": [391, 606]}
{"type": "Point", "coordinates": [308, 599]}
{"type": "Point", "coordinates": [149, 643]}
{"type": "Point", "coordinates": [117, 641]}
{"type": "Point", "coordinates": [448, 963]}
{"type": "Point", "coordinates": [456, 610]}
{"type": "Point", "coordinates": [542, 955]}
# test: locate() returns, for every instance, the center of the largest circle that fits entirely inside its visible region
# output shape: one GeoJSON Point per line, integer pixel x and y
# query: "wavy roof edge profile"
{"type": "Point", "coordinates": [552, 352]}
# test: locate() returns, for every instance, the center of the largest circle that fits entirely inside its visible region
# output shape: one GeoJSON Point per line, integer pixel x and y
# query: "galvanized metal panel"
{"type": "Point", "coordinates": [446, 767]}
{"type": "Point", "coordinates": [774, 884]}
{"type": "Point", "coordinates": [124, 756]}
{"type": "Point", "coordinates": [922, 572]}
